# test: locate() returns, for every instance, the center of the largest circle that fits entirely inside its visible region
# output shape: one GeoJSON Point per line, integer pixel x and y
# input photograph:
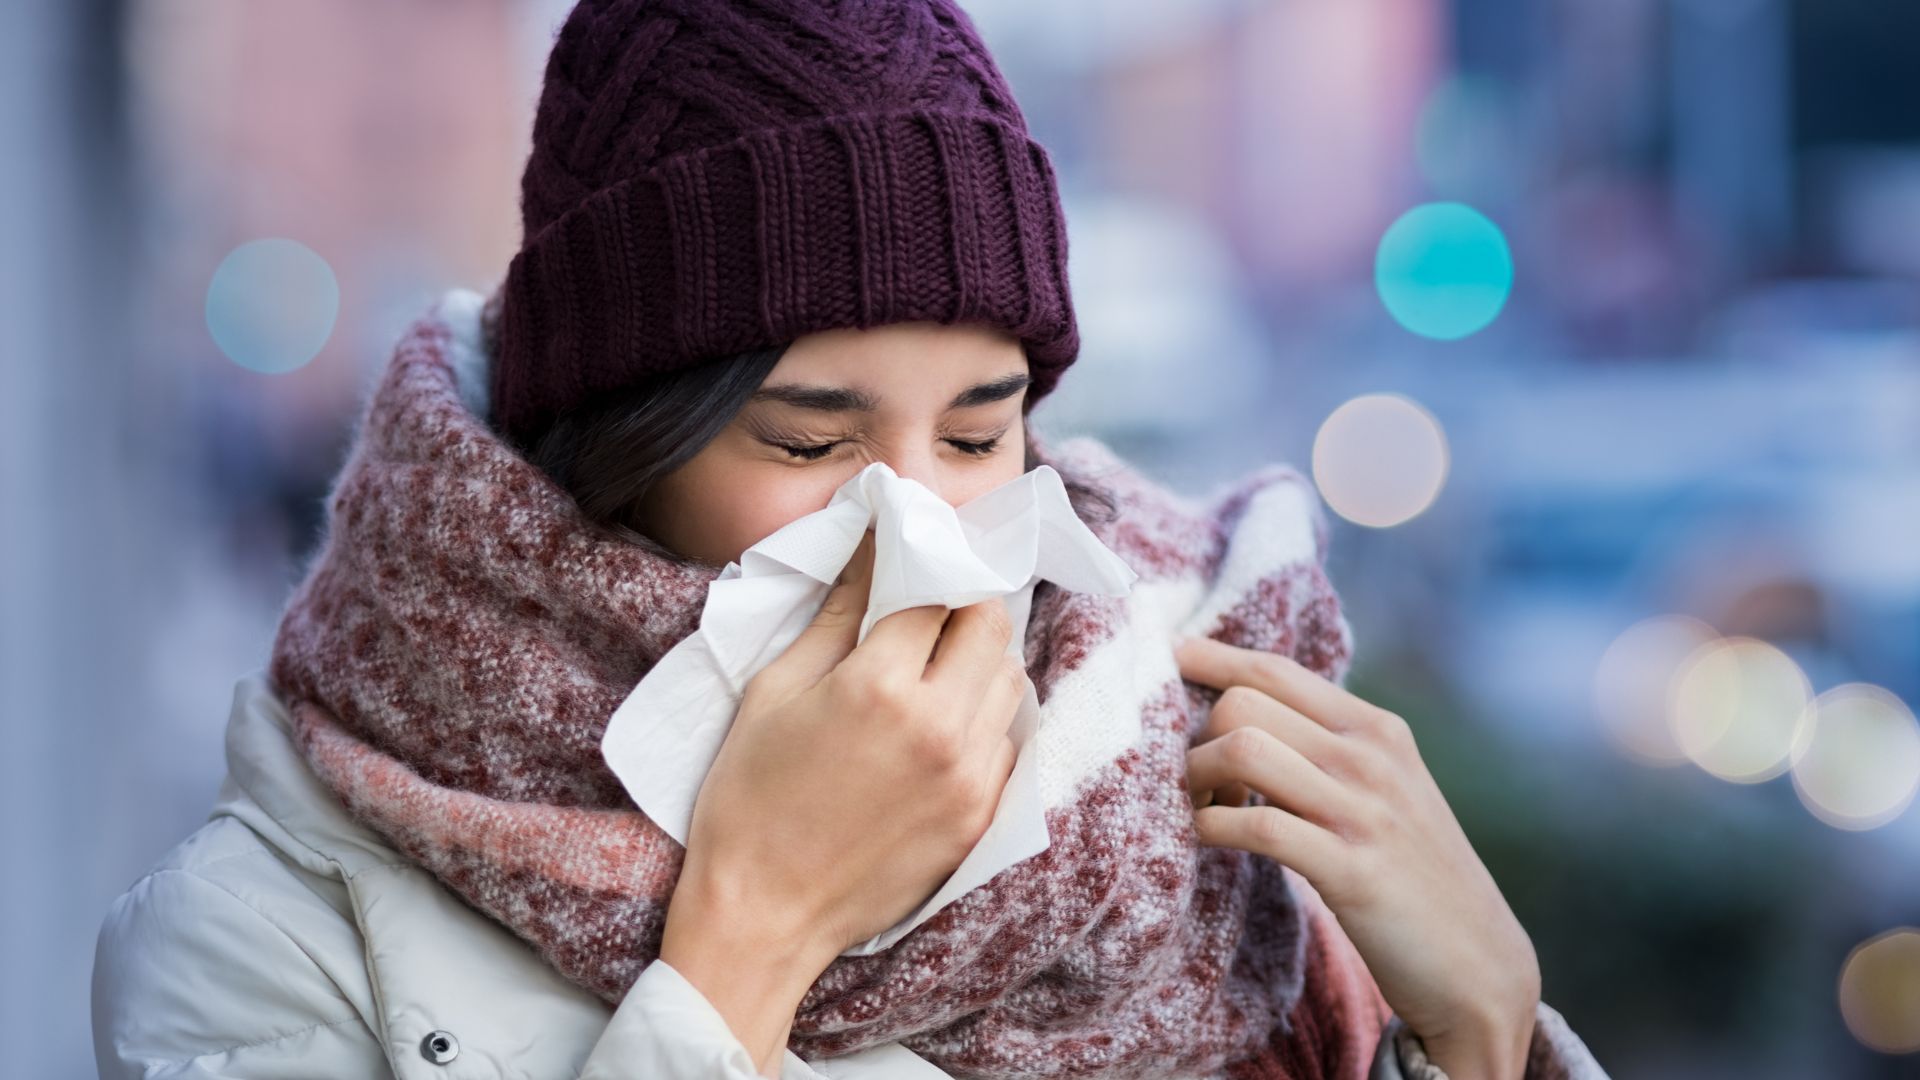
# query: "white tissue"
{"type": "Point", "coordinates": [664, 737]}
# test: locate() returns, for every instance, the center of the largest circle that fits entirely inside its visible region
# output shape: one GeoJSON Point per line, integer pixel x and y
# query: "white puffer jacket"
{"type": "Point", "coordinates": [284, 940]}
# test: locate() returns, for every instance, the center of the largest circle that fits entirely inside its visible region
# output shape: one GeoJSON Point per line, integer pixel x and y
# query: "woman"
{"type": "Point", "coordinates": [768, 244]}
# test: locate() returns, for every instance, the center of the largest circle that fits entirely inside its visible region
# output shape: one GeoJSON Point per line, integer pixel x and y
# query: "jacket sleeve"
{"type": "Point", "coordinates": [1556, 1053]}
{"type": "Point", "coordinates": [192, 983]}
{"type": "Point", "coordinates": [666, 1029]}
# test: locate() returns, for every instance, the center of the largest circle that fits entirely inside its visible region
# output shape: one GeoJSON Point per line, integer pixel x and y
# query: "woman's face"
{"type": "Point", "coordinates": [938, 403]}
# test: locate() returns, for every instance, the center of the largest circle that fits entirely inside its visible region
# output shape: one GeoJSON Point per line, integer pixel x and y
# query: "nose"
{"type": "Point", "coordinates": [921, 465]}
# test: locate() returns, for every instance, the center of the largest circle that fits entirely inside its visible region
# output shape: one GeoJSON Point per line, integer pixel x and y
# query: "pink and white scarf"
{"type": "Point", "coordinates": [461, 637]}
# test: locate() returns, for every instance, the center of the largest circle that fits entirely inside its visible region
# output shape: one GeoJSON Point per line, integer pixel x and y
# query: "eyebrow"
{"type": "Point", "coordinates": [852, 399]}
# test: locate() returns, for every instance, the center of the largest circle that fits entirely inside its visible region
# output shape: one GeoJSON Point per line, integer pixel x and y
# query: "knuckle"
{"type": "Point", "coordinates": [1236, 701]}
{"type": "Point", "coordinates": [985, 802]}
{"type": "Point", "coordinates": [1273, 665]}
{"type": "Point", "coordinates": [937, 747]}
{"type": "Point", "coordinates": [1369, 822]}
{"type": "Point", "coordinates": [767, 682]}
{"type": "Point", "coordinates": [994, 617]}
{"type": "Point", "coordinates": [883, 693]}
{"type": "Point", "coordinates": [841, 603]}
{"type": "Point", "coordinates": [1401, 743]}
{"type": "Point", "coordinates": [1387, 728]}
{"type": "Point", "coordinates": [1269, 827]}
{"type": "Point", "coordinates": [1243, 748]}
{"type": "Point", "coordinates": [1015, 672]}
{"type": "Point", "coordinates": [1348, 759]}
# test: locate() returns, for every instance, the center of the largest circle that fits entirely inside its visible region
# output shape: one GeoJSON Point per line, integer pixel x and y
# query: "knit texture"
{"type": "Point", "coordinates": [462, 636]}
{"type": "Point", "coordinates": [713, 176]}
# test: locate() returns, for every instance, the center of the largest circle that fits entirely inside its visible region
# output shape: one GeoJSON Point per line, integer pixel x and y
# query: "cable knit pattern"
{"type": "Point", "coordinates": [713, 176]}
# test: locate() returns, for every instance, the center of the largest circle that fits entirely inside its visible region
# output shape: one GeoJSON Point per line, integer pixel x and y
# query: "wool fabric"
{"type": "Point", "coordinates": [463, 633]}
{"type": "Point", "coordinates": [710, 177]}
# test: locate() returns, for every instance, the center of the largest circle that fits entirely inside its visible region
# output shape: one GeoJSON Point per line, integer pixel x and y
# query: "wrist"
{"type": "Point", "coordinates": [1492, 1047]}
{"type": "Point", "coordinates": [753, 963]}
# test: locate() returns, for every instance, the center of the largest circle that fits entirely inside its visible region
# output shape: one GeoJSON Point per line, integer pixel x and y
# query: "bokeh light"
{"type": "Point", "coordinates": [1443, 270]}
{"type": "Point", "coordinates": [1880, 991]}
{"type": "Point", "coordinates": [1633, 680]}
{"type": "Point", "coordinates": [271, 305]}
{"type": "Point", "coordinates": [1860, 766]}
{"type": "Point", "coordinates": [1380, 459]}
{"type": "Point", "coordinates": [1461, 142]}
{"type": "Point", "coordinates": [1739, 709]}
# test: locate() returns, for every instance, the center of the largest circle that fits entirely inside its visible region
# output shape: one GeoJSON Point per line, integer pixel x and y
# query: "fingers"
{"type": "Point", "coordinates": [903, 641]}
{"type": "Point", "coordinates": [1243, 706]}
{"type": "Point", "coordinates": [1220, 665]}
{"type": "Point", "coordinates": [1272, 831]}
{"type": "Point", "coordinates": [1003, 761]}
{"type": "Point", "coordinates": [1003, 686]}
{"type": "Point", "coordinates": [972, 644]}
{"type": "Point", "coordinates": [1255, 758]}
{"type": "Point", "coordinates": [835, 627]}
{"type": "Point", "coordinates": [1234, 794]}
{"type": "Point", "coordinates": [993, 784]}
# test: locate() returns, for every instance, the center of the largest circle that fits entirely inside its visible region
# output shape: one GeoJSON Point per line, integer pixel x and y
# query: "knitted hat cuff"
{"type": "Point", "coordinates": [847, 220]}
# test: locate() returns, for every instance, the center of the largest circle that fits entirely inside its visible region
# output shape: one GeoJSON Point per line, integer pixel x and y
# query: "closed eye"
{"type": "Point", "coordinates": [815, 453]}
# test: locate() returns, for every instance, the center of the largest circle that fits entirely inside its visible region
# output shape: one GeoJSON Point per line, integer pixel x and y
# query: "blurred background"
{"type": "Point", "coordinates": [1596, 322]}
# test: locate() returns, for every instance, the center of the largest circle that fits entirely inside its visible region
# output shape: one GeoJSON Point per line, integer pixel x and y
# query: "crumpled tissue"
{"type": "Point", "coordinates": [665, 735]}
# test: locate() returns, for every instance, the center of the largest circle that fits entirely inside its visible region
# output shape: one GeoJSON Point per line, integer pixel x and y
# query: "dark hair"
{"type": "Point", "coordinates": [609, 452]}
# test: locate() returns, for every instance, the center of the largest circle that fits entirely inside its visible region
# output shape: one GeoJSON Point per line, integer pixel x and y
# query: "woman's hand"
{"type": "Point", "coordinates": [1352, 807]}
{"type": "Point", "coordinates": [855, 780]}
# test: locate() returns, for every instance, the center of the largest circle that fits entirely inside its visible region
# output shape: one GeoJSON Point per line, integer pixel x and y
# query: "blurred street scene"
{"type": "Point", "coordinates": [1596, 322]}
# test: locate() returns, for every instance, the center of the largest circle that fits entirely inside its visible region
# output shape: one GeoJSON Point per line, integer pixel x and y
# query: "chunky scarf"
{"type": "Point", "coordinates": [462, 635]}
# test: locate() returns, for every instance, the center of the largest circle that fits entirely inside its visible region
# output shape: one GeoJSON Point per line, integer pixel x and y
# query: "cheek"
{"type": "Point", "coordinates": [770, 498]}
{"type": "Point", "coordinates": [976, 482]}
{"type": "Point", "coordinates": [743, 504]}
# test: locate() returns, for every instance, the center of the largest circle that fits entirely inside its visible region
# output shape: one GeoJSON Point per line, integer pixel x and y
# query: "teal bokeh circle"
{"type": "Point", "coordinates": [271, 304]}
{"type": "Point", "coordinates": [1443, 270]}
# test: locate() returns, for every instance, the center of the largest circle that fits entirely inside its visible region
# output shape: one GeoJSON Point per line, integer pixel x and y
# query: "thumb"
{"type": "Point", "coordinates": [835, 628]}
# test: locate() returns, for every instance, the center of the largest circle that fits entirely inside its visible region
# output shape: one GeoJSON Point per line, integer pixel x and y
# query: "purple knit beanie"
{"type": "Point", "coordinates": [714, 176]}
